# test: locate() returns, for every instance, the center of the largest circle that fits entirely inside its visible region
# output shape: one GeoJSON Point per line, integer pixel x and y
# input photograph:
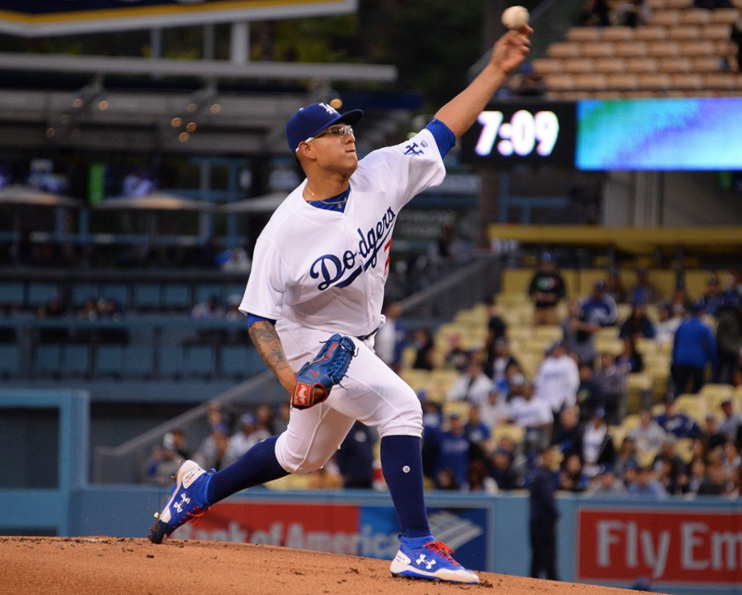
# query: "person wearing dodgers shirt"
{"type": "Point", "coordinates": [320, 265]}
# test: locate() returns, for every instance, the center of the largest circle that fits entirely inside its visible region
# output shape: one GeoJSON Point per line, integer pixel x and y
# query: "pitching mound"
{"type": "Point", "coordinates": [110, 565]}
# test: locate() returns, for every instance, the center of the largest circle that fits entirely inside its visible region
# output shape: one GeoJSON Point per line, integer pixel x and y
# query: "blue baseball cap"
{"type": "Point", "coordinates": [313, 119]}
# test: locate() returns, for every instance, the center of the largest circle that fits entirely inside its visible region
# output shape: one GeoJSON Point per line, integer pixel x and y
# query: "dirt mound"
{"type": "Point", "coordinates": [111, 566]}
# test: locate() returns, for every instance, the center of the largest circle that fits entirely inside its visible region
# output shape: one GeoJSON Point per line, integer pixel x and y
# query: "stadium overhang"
{"type": "Point", "coordinates": [52, 17]}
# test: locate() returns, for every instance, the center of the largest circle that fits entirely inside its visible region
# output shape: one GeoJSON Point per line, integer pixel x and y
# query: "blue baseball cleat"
{"type": "Point", "coordinates": [431, 561]}
{"type": "Point", "coordinates": [184, 504]}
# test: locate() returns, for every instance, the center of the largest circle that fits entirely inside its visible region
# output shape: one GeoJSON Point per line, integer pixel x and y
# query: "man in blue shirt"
{"type": "Point", "coordinates": [674, 421]}
{"type": "Point", "coordinates": [693, 348]}
{"type": "Point", "coordinates": [453, 450]}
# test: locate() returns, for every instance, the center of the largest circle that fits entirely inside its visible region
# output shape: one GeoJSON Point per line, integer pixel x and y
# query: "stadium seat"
{"type": "Point", "coordinates": [684, 32]}
{"type": "Point", "coordinates": [617, 33]}
{"type": "Point", "coordinates": [597, 49]}
{"type": "Point", "coordinates": [48, 359]}
{"type": "Point", "coordinates": [109, 360]}
{"type": "Point", "coordinates": [117, 292]}
{"type": "Point", "coordinates": [634, 49]}
{"type": "Point", "coordinates": [515, 433]}
{"type": "Point", "coordinates": [76, 360]}
{"type": "Point", "coordinates": [675, 65]}
{"type": "Point", "coordinates": [663, 49]}
{"type": "Point", "coordinates": [650, 33]}
{"type": "Point", "coordinates": [696, 17]}
{"type": "Point", "coordinates": [460, 407]}
{"type": "Point", "coordinates": [620, 81]}
{"type": "Point", "coordinates": [205, 291]}
{"type": "Point", "coordinates": [687, 81]}
{"type": "Point", "coordinates": [10, 360]}
{"type": "Point", "coordinates": [139, 360]}
{"type": "Point", "coordinates": [11, 293]}
{"type": "Point", "coordinates": [176, 297]}
{"type": "Point", "coordinates": [584, 34]}
{"type": "Point", "coordinates": [232, 360]}
{"type": "Point", "coordinates": [545, 66]}
{"type": "Point", "coordinates": [40, 293]}
{"type": "Point", "coordinates": [637, 65]}
{"type": "Point", "coordinates": [147, 296]}
{"type": "Point", "coordinates": [667, 18]}
{"type": "Point", "coordinates": [725, 16]}
{"type": "Point", "coordinates": [172, 361]}
{"type": "Point", "coordinates": [577, 65]}
{"type": "Point", "coordinates": [199, 360]}
{"type": "Point", "coordinates": [83, 292]}
{"type": "Point", "coordinates": [563, 49]}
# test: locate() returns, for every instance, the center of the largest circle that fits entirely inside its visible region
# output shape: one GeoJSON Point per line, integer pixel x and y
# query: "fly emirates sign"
{"type": "Point", "coordinates": [697, 547]}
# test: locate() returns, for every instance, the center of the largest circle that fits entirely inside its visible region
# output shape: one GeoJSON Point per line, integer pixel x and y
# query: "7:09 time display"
{"type": "Point", "coordinates": [511, 133]}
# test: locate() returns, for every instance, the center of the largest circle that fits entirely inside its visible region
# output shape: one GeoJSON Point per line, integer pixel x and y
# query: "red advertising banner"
{"type": "Point", "coordinates": [311, 527]}
{"type": "Point", "coordinates": [664, 546]}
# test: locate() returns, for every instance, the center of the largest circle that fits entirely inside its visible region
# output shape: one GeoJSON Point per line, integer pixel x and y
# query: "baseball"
{"type": "Point", "coordinates": [515, 17]}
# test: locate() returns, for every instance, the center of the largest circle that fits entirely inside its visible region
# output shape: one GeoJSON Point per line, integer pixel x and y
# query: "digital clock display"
{"type": "Point", "coordinates": [514, 132]}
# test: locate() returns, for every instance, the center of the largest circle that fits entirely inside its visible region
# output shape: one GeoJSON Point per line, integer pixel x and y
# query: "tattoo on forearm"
{"type": "Point", "coordinates": [266, 340]}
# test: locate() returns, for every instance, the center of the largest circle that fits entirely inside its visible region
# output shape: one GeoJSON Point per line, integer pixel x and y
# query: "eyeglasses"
{"type": "Point", "coordinates": [337, 130]}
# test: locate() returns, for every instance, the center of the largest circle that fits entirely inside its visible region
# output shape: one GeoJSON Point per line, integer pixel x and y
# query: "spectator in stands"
{"type": "Point", "coordinates": [496, 330]}
{"type": "Point", "coordinates": [236, 261]}
{"type": "Point", "coordinates": [445, 479]}
{"type": "Point", "coordinates": [712, 4]}
{"type": "Point", "coordinates": [579, 334]}
{"type": "Point", "coordinates": [237, 335]}
{"type": "Point", "coordinates": [626, 457]}
{"type": "Point", "coordinates": [211, 309]}
{"type": "Point", "coordinates": [472, 386]}
{"type": "Point", "coordinates": [543, 518]}
{"type": "Point", "coordinates": [693, 348]}
{"type": "Point", "coordinates": [595, 13]}
{"type": "Point", "coordinates": [502, 359]}
{"type": "Point", "coordinates": [637, 325]}
{"type": "Point", "coordinates": [264, 419]}
{"type": "Point", "coordinates": [728, 338]}
{"type": "Point", "coordinates": [281, 418]}
{"type": "Point", "coordinates": [558, 379]}
{"type": "Point", "coordinates": [495, 410]}
{"type": "Point", "coordinates": [175, 440]}
{"type": "Point", "coordinates": [391, 337]}
{"type": "Point", "coordinates": [355, 459]}
{"type": "Point", "coordinates": [646, 484]}
{"type": "Point", "coordinates": [457, 357]}
{"type": "Point", "coordinates": [612, 380]}
{"type": "Point", "coordinates": [546, 289]}
{"type": "Point", "coordinates": [326, 478]}
{"type": "Point", "coordinates": [614, 286]}
{"type": "Point", "coordinates": [571, 476]}
{"type": "Point", "coordinates": [531, 83]}
{"type": "Point", "coordinates": [503, 470]}
{"type": "Point", "coordinates": [631, 13]}
{"type": "Point", "coordinates": [699, 449]}
{"type": "Point", "coordinates": [233, 313]}
{"type": "Point", "coordinates": [479, 480]}
{"type": "Point", "coordinates": [667, 324]}
{"type": "Point", "coordinates": [424, 350]}
{"type": "Point", "coordinates": [599, 308]}
{"type": "Point", "coordinates": [535, 415]}
{"type": "Point", "coordinates": [477, 433]}
{"type": "Point", "coordinates": [712, 298]}
{"type": "Point", "coordinates": [675, 422]}
{"type": "Point", "coordinates": [643, 289]}
{"type": "Point", "coordinates": [513, 375]}
{"type": "Point", "coordinates": [714, 484]}
{"type": "Point", "coordinates": [711, 435]}
{"type": "Point", "coordinates": [244, 439]}
{"type": "Point", "coordinates": [696, 476]}
{"type": "Point", "coordinates": [737, 373]}
{"type": "Point", "coordinates": [648, 435]}
{"type": "Point", "coordinates": [55, 307]}
{"type": "Point", "coordinates": [589, 395]}
{"type": "Point", "coordinates": [597, 445]}
{"type": "Point", "coordinates": [735, 38]}
{"type": "Point", "coordinates": [453, 450]}
{"type": "Point", "coordinates": [729, 426]}
{"type": "Point", "coordinates": [607, 484]}
{"type": "Point", "coordinates": [568, 435]}
{"type": "Point", "coordinates": [730, 458]}
{"type": "Point", "coordinates": [162, 465]}
{"type": "Point", "coordinates": [630, 357]}
{"type": "Point", "coordinates": [213, 450]}
{"type": "Point", "coordinates": [680, 301]}
{"type": "Point", "coordinates": [669, 467]}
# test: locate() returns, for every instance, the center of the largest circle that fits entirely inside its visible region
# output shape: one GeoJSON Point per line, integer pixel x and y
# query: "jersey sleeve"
{"type": "Point", "coordinates": [266, 285]}
{"type": "Point", "coordinates": [411, 166]}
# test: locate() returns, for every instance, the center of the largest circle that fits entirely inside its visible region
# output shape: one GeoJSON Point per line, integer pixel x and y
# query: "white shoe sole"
{"type": "Point", "coordinates": [451, 576]}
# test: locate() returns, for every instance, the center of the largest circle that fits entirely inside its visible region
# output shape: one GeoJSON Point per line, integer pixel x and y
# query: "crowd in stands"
{"type": "Point", "coordinates": [487, 433]}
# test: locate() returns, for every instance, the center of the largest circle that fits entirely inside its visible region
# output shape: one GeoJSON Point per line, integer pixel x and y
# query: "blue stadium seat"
{"type": "Point", "coordinates": [76, 360]}
{"type": "Point", "coordinates": [199, 360]}
{"type": "Point", "coordinates": [40, 293]}
{"type": "Point", "coordinates": [48, 359]}
{"type": "Point", "coordinates": [120, 293]}
{"type": "Point", "coordinates": [147, 296]}
{"type": "Point", "coordinates": [138, 361]}
{"type": "Point", "coordinates": [82, 292]}
{"type": "Point", "coordinates": [232, 360]}
{"type": "Point", "coordinates": [11, 293]}
{"type": "Point", "coordinates": [236, 290]}
{"type": "Point", "coordinates": [172, 361]}
{"type": "Point", "coordinates": [176, 297]}
{"type": "Point", "coordinates": [109, 360]}
{"type": "Point", "coordinates": [204, 292]}
{"type": "Point", "coordinates": [10, 360]}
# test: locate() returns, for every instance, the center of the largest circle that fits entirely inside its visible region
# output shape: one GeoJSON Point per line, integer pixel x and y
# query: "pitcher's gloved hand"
{"type": "Point", "coordinates": [315, 379]}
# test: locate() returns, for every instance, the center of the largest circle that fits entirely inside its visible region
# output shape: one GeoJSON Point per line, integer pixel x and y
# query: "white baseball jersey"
{"type": "Point", "coordinates": [326, 270]}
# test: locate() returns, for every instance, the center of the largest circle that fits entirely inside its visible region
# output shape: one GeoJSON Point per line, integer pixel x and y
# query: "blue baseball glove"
{"type": "Point", "coordinates": [315, 379]}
